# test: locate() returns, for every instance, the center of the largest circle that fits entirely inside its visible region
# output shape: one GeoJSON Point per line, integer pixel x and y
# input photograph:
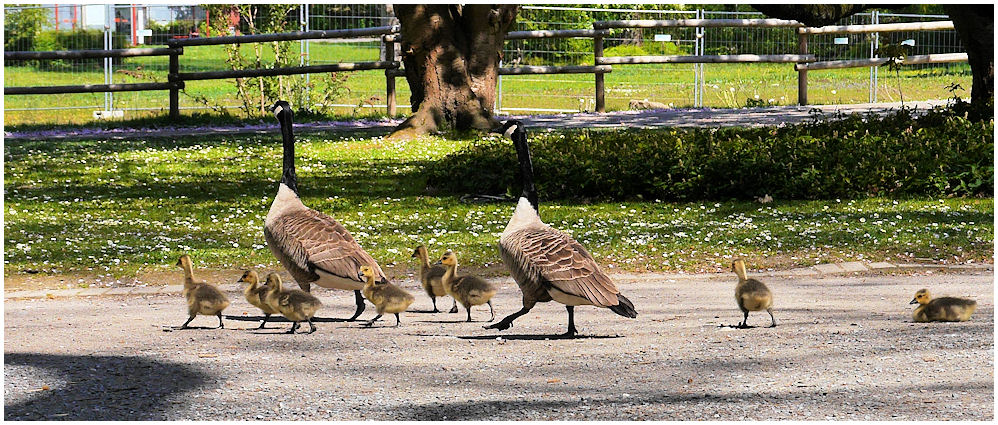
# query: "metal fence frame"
{"type": "Point", "coordinates": [390, 62]}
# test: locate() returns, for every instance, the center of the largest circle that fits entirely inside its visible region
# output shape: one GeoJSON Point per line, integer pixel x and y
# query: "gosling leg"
{"type": "Point", "coordinates": [360, 305]}
{"type": "Point", "coordinates": [370, 323]}
{"type": "Point", "coordinates": [491, 311]}
{"type": "Point", "coordinates": [571, 321]}
{"type": "Point", "coordinates": [744, 323]}
{"type": "Point", "coordinates": [189, 319]}
{"type": "Point", "coordinates": [468, 309]}
{"type": "Point", "coordinates": [220, 324]}
{"type": "Point", "coordinates": [453, 307]}
{"type": "Point", "coordinates": [770, 311]}
{"type": "Point", "coordinates": [311, 325]}
{"type": "Point", "coordinates": [435, 304]}
{"type": "Point", "coordinates": [398, 321]}
{"type": "Point", "coordinates": [293, 327]}
{"type": "Point", "coordinates": [305, 286]}
{"type": "Point", "coordinates": [265, 317]}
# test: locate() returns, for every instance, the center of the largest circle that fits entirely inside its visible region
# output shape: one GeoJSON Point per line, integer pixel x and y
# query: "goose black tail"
{"type": "Point", "coordinates": [624, 307]}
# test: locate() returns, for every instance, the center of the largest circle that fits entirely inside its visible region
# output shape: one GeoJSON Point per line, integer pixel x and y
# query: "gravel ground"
{"type": "Point", "coordinates": [701, 117]}
{"type": "Point", "coordinates": [845, 348]}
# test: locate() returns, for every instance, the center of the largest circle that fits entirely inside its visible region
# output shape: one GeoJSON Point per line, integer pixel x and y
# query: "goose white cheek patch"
{"type": "Point", "coordinates": [278, 110]}
{"type": "Point", "coordinates": [509, 132]}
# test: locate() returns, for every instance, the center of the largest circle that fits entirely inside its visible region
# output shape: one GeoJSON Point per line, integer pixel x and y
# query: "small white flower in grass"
{"type": "Point", "coordinates": [833, 92]}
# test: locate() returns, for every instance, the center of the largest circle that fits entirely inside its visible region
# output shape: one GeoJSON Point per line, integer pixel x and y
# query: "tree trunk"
{"type": "Point", "coordinates": [451, 55]}
{"type": "Point", "coordinates": [976, 26]}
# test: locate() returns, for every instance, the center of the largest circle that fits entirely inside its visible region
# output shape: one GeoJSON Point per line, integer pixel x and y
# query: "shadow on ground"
{"type": "Point", "coordinates": [101, 387]}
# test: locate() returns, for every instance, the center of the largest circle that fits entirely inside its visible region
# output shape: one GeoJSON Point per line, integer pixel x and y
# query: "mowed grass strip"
{"type": "Point", "coordinates": [124, 207]}
{"type": "Point", "coordinates": [725, 85]}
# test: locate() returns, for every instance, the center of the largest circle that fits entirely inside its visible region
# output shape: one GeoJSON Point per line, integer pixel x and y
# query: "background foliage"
{"type": "Point", "coordinates": [941, 154]}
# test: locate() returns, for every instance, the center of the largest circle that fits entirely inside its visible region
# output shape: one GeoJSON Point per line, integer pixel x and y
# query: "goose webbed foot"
{"type": "Point", "coordinates": [220, 324]}
{"type": "Point", "coordinates": [311, 326]}
{"type": "Point", "coordinates": [184, 326]}
{"type": "Point", "coordinates": [263, 324]}
{"type": "Point", "coordinates": [453, 308]}
{"type": "Point", "coordinates": [294, 327]}
{"type": "Point", "coordinates": [370, 323]}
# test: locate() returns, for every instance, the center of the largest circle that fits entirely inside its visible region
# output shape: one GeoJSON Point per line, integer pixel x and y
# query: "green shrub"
{"type": "Point", "coordinates": [942, 154]}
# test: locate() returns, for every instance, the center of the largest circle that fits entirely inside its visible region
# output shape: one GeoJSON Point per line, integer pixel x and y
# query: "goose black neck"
{"type": "Point", "coordinates": [289, 178]}
{"type": "Point", "coordinates": [519, 137]}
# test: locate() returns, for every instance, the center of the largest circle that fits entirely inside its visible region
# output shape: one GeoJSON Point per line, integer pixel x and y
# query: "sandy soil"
{"type": "Point", "coordinates": [845, 348]}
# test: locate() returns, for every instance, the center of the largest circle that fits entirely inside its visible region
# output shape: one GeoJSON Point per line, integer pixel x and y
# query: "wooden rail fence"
{"type": "Point", "coordinates": [391, 64]}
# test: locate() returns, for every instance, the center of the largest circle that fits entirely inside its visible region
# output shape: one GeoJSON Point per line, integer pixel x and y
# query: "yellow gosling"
{"type": "Point", "coordinates": [751, 294]}
{"type": "Point", "coordinates": [387, 298]}
{"type": "Point", "coordinates": [945, 309]}
{"type": "Point", "coordinates": [467, 290]}
{"type": "Point", "coordinates": [202, 298]}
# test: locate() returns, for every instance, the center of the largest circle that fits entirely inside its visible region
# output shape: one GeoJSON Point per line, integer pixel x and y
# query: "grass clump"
{"type": "Point", "coordinates": [940, 155]}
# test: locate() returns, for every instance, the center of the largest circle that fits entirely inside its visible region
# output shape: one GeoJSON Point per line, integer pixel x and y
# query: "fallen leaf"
{"type": "Point", "coordinates": [45, 387]}
{"type": "Point", "coordinates": [553, 380]}
{"type": "Point", "coordinates": [50, 296]}
{"type": "Point", "coordinates": [689, 381]}
{"type": "Point", "coordinates": [207, 355]}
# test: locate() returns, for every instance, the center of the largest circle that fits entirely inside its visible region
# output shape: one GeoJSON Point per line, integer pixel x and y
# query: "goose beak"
{"type": "Point", "coordinates": [913, 301]}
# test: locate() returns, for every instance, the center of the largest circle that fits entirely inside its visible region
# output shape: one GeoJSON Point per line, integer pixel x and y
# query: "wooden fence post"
{"type": "Point", "coordinates": [174, 76]}
{"type": "Point", "coordinates": [600, 83]}
{"type": "Point", "coordinates": [802, 74]}
{"type": "Point", "coordinates": [389, 42]}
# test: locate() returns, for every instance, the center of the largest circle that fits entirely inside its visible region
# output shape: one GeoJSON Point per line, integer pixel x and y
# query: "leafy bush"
{"type": "Point", "coordinates": [79, 39]}
{"type": "Point", "coordinates": [942, 154]}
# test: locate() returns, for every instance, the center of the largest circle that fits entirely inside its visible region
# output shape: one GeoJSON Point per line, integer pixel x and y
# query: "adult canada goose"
{"type": "Point", "coordinates": [202, 298]}
{"type": "Point", "coordinates": [945, 309]}
{"type": "Point", "coordinates": [751, 294]}
{"type": "Point", "coordinates": [255, 294]}
{"type": "Point", "coordinates": [546, 263]}
{"type": "Point", "coordinates": [312, 246]}
{"type": "Point", "coordinates": [430, 276]}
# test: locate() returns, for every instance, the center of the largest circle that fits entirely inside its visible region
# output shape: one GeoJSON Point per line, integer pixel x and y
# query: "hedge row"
{"type": "Point", "coordinates": [941, 154]}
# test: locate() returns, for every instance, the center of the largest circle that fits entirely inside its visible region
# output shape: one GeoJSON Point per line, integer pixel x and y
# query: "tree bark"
{"type": "Point", "coordinates": [451, 55]}
{"type": "Point", "coordinates": [976, 26]}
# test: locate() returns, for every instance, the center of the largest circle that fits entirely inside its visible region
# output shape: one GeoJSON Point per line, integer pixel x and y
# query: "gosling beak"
{"type": "Point", "coordinates": [361, 276]}
{"type": "Point", "coordinates": [439, 263]}
{"type": "Point", "coordinates": [913, 301]}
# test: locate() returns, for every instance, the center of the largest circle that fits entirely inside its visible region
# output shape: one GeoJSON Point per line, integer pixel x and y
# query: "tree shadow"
{"type": "Point", "coordinates": [527, 337]}
{"type": "Point", "coordinates": [102, 387]}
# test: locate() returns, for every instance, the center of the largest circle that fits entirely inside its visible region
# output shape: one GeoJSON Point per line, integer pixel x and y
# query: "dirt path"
{"type": "Point", "coordinates": [705, 117]}
{"type": "Point", "coordinates": [845, 348]}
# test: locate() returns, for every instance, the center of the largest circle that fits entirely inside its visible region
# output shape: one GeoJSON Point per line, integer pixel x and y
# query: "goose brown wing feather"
{"type": "Point", "coordinates": [323, 243]}
{"type": "Point", "coordinates": [564, 263]}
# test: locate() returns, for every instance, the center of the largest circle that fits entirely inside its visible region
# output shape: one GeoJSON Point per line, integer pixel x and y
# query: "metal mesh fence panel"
{"type": "Point", "coordinates": [73, 27]}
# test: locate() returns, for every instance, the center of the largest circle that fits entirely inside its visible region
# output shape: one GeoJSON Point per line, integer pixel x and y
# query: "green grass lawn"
{"type": "Point", "coordinates": [121, 207]}
{"type": "Point", "coordinates": [726, 85]}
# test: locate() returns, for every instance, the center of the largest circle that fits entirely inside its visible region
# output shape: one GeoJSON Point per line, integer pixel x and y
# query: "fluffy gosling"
{"type": "Point", "coordinates": [294, 304]}
{"type": "Point", "coordinates": [387, 298]}
{"type": "Point", "coordinates": [202, 298]}
{"type": "Point", "coordinates": [751, 294]}
{"type": "Point", "coordinates": [430, 276]}
{"type": "Point", "coordinates": [255, 293]}
{"type": "Point", "coordinates": [945, 309]}
{"type": "Point", "coordinates": [467, 290]}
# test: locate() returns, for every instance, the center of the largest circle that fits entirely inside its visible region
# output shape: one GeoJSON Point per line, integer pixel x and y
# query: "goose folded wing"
{"type": "Point", "coordinates": [567, 265]}
{"type": "Point", "coordinates": [327, 246]}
